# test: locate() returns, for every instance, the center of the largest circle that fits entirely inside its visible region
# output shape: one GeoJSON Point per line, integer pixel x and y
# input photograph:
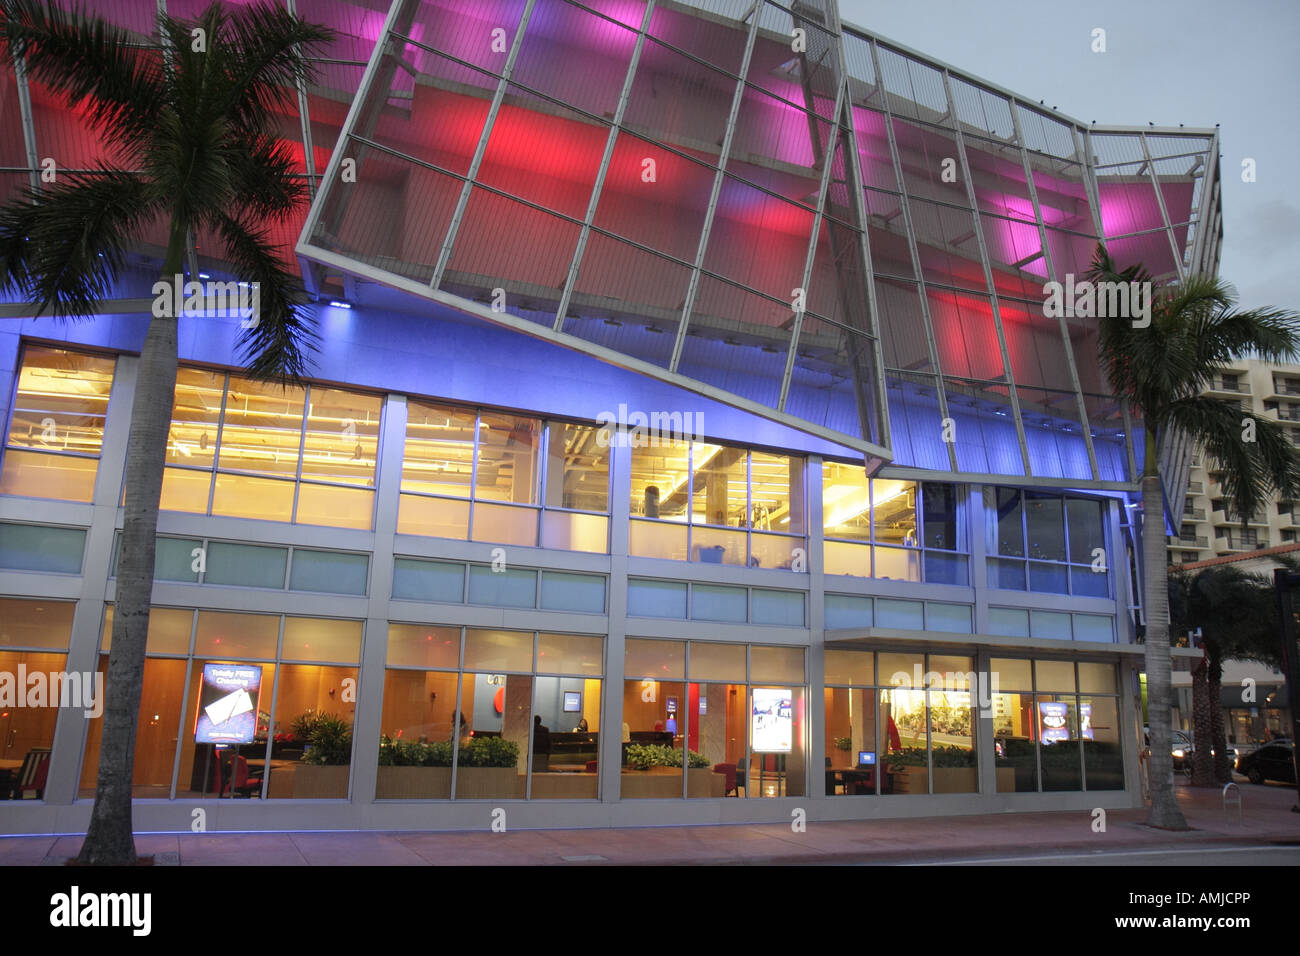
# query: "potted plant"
{"type": "Point", "coordinates": [701, 781]}
{"type": "Point", "coordinates": [322, 771]}
{"type": "Point", "coordinates": [486, 768]}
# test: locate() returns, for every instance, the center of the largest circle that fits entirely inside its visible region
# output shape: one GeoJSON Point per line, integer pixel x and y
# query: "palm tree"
{"type": "Point", "coordinates": [1161, 369]}
{"type": "Point", "coordinates": [190, 121]}
{"type": "Point", "coordinates": [1236, 612]}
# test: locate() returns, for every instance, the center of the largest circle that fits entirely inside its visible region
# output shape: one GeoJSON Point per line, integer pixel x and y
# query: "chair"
{"type": "Point", "coordinates": [728, 771]}
{"type": "Point", "coordinates": [32, 774]}
{"type": "Point", "coordinates": [832, 779]}
{"type": "Point", "coordinates": [245, 784]}
{"type": "Point", "coordinates": [591, 766]}
{"type": "Point", "coordinates": [740, 776]}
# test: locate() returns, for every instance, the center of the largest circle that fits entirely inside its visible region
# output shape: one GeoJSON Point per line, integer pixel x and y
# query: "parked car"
{"type": "Point", "coordinates": [1273, 761]}
{"type": "Point", "coordinates": [1184, 746]}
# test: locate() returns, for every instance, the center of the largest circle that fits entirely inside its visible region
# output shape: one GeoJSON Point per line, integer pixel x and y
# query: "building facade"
{"type": "Point", "coordinates": [688, 440]}
{"type": "Point", "coordinates": [1209, 527]}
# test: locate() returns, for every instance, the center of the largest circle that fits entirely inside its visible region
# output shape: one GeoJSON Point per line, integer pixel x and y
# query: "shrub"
{"type": "Point", "coordinates": [329, 738]}
{"type": "Point", "coordinates": [645, 756]}
{"type": "Point", "coordinates": [488, 752]}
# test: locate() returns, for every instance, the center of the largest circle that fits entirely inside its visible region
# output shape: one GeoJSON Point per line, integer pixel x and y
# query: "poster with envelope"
{"type": "Point", "coordinates": [228, 704]}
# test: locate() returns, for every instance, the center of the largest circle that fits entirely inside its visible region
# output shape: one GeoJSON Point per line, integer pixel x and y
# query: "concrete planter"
{"type": "Point", "coordinates": [565, 786]}
{"type": "Point", "coordinates": [666, 783]}
{"type": "Point", "coordinates": [306, 782]}
{"type": "Point", "coordinates": [486, 783]}
{"type": "Point", "coordinates": [413, 783]}
{"type": "Point", "coordinates": [912, 780]}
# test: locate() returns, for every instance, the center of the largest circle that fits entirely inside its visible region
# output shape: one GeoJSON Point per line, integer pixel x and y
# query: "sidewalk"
{"type": "Point", "coordinates": [1266, 819]}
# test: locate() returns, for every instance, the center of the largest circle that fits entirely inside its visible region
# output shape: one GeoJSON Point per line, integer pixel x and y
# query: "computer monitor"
{"type": "Point", "coordinates": [866, 758]}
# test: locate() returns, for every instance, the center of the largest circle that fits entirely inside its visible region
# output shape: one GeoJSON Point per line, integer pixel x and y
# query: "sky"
{"type": "Point", "coordinates": [1196, 62]}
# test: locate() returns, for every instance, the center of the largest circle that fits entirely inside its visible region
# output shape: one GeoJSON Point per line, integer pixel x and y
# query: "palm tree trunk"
{"type": "Point", "coordinates": [1214, 679]}
{"type": "Point", "coordinates": [109, 838]}
{"type": "Point", "coordinates": [1165, 812]}
{"type": "Point", "coordinates": [1202, 767]}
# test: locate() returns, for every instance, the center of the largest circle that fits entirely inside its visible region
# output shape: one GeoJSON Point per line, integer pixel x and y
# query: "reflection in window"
{"type": "Point", "coordinates": [57, 428]}
{"type": "Point", "coordinates": [1063, 538]}
{"type": "Point", "coordinates": [281, 453]}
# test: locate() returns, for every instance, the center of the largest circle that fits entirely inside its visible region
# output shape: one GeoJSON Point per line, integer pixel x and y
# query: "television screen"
{"type": "Point", "coordinates": [572, 701]}
{"type": "Point", "coordinates": [773, 728]}
{"type": "Point", "coordinates": [866, 758]}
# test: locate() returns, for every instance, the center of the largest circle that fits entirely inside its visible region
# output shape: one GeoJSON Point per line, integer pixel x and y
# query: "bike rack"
{"type": "Point", "coordinates": [1232, 790]}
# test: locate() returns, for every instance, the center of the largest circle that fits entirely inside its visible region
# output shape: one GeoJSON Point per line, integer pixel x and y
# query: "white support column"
{"type": "Point", "coordinates": [83, 650]}
{"type": "Point", "coordinates": [816, 630]}
{"type": "Point", "coordinates": [374, 646]}
{"type": "Point", "coordinates": [611, 726]}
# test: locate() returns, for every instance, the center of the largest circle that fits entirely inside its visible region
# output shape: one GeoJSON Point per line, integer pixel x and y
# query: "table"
{"type": "Point", "coordinates": [10, 764]}
{"type": "Point", "coordinates": [860, 780]}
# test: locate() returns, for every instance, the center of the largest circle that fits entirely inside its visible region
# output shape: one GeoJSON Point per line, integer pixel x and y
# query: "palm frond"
{"type": "Point", "coordinates": [93, 65]}
{"type": "Point", "coordinates": [62, 247]}
{"type": "Point", "coordinates": [276, 347]}
{"type": "Point", "coordinates": [265, 178]}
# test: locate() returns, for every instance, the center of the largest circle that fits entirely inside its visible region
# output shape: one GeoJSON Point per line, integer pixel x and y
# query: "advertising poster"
{"type": "Point", "coordinates": [773, 728]}
{"type": "Point", "coordinates": [228, 704]}
{"type": "Point", "coordinates": [1085, 722]}
{"type": "Point", "coordinates": [1053, 717]}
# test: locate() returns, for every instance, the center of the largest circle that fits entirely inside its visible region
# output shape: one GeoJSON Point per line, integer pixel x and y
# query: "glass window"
{"type": "Point", "coordinates": [573, 592]}
{"type": "Point", "coordinates": [439, 453]}
{"type": "Point", "coordinates": [329, 571]}
{"type": "Point", "coordinates": [222, 634]}
{"type": "Point", "coordinates": [245, 565]}
{"type": "Point", "coordinates": [850, 667]}
{"type": "Point", "coordinates": [777, 607]}
{"type": "Point", "coordinates": [1061, 765]}
{"type": "Point", "coordinates": [174, 559]}
{"type": "Point", "coordinates": [1086, 529]}
{"type": "Point", "coordinates": [650, 598]}
{"type": "Point", "coordinates": [169, 630]}
{"type": "Point", "coordinates": [507, 459]}
{"type": "Point", "coordinates": [508, 588]}
{"type": "Point", "coordinates": [846, 502]}
{"type": "Point", "coordinates": [1011, 673]}
{"type": "Point", "coordinates": [428, 581]}
{"type": "Point", "coordinates": [1103, 758]}
{"type": "Point", "coordinates": [906, 615]}
{"type": "Point", "coordinates": [577, 474]}
{"type": "Point", "coordinates": [719, 493]}
{"type": "Point", "coordinates": [1097, 678]}
{"type": "Point", "coordinates": [196, 419]}
{"type": "Point", "coordinates": [1054, 676]}
{"type": "Point", "coordinates": [717, 603]}
{"type": "Point", "coordinates": [308, 696]}
{"type": "Point", "coordinates": [1004, 506]}
{"type": "Point", "coordinates": [35, 623]}
{"type": "Point", "coordinates": [1052, 625]}
{"type": "Point", "coordinates": [566, 733]}
{"type": "Point", "coordinates": [847, 610]}
{"type": "Point", "coordinates": [1009, 621]}
{"type": "Point", "coordinates": [659, 659]}
{"type": "Point", "coordinates": [342, 437]}
{"type": "Point", "coordinates": [939, 501]}
{"type": "Point", "coordinates": [157, 731]}
{"type": "Point", "coordinates": [321, 639]}
{"type": "Point", "coordinates": [1045, 527]}
{"type": "Point", "coordinates": [1094, 627]}
{"type": "Point", "coordinates": [570, 654]}
{"type": "Point", "coordinates": [724, 662]}
{"type": "Point", "coordinates": [767, 663]}
{"type": "Point", "coordinates": [776, 493]}
{"type": "Point", "coordinates": [423, 645]}
{"type": "Point", "coordinates": [947, 617]}
{"type": "Point", "coordinates": [262, 429]}
{"type": "Point", "coordinates": [894, 512]}
{"type": "Point", "coordinates": [901, 670]}
{"type": "Point", "coordinates": [57, 426]}
{"type": "Point", "coordinates": [850, 733]}
{"type": "Point", "coordinates": [661, 481]}
{"type": "Point", "coordinates": [33, 547]}
{"type": "Point", "coordinates": [498, 650]}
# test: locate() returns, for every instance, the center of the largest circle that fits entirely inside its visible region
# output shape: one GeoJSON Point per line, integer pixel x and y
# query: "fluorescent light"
{"type": "Point", "coordinates": [339, 305]}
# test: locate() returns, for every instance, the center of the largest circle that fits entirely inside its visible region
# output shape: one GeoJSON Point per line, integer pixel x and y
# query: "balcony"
{"type": "Point", "coordinates": [1196, 514]}
{"type": "Point", "coordinates": [1198, 541]}
{"type": "Point", "coordinates": [1233, 387]}
{"type": "Point", "coordinates": [1283, 386]}
{"type": "Point", "coordinates": [1195, 488]}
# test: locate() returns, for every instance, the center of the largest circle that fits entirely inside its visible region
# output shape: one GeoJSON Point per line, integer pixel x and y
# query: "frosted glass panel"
{"type": "Point", "coordinates": [245, 565]}
{"type": "Point", "coordinates": [711, 603]}
{"type": "Point", "coordinates": [647, 598]}
{"type": "Point", "coordinates": [846, 610]}
{"type": "Point", "coordinates": [507, 588]}
{"type": "Point", "coordinates": [30, 547]}
{"type": "Point", "coordinates": [428, 581]}
{"type": "Point", "coordinates": [573, 592]}
{"type": "Point", "coordinates": [777, 607]}
{"type": "Point", "coordinates": [329, 571]}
